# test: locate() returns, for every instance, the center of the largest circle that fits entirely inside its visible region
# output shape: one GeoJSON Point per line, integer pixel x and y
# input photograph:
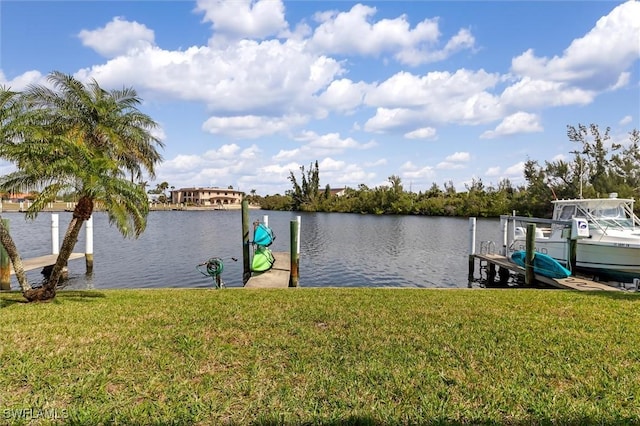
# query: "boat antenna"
{"type": "Point", "coordinates": [555, 197]}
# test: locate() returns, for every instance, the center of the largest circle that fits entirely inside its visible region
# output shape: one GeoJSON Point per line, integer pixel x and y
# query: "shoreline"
{"type": "Point", "coordinates": [69, 206]}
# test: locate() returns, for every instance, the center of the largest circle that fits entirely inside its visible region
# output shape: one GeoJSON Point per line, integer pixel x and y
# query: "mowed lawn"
{"type": "Point", "coordinates": [321, 356]}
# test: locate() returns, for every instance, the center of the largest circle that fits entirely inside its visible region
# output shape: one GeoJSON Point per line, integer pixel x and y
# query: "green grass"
{"type": "Point", "coordinates": [321, 356]}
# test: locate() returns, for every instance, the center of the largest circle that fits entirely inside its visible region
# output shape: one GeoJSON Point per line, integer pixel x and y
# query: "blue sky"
{"type": "Point", "coordinates": [430, 91]}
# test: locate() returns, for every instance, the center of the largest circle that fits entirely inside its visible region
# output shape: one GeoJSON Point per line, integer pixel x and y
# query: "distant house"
{"type": "Point", "coordinates": [206, 196]}
{"type": "Point", "coordinates": [338, 192]}
{"type": "Point", "coordinates": [15, 197]}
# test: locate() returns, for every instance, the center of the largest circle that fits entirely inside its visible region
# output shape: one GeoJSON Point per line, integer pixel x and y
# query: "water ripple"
{"type": "Point", "coordinates": [343, 250]}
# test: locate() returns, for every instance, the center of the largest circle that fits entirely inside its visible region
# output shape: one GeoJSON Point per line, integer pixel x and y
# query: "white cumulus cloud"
{"type": "Point", "coordinates": [118, 37]}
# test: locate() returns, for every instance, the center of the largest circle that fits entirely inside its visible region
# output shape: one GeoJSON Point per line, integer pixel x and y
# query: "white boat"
{"type": "Point", "coordinates": [606, 233]}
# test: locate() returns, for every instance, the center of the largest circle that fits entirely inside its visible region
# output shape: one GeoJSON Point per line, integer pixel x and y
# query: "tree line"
{"type": "Point", "coordinates": [597, 167]}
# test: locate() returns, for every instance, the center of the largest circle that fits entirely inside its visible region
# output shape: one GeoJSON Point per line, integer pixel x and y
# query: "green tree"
{"type": "Point", "coordinates": [306, 195]}
{"type": "Point", "coordinates": [539, 193]}
{"type": "Point", "coordinates": [83, 138]}
{"type": "Point", "coordinates": [626, 167]}
{"type": "Point", "coordinates": [596, 154]}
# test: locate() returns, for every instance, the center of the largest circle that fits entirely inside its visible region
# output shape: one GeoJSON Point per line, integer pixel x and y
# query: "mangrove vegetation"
{"type": "Point", "coordinates": [597, 167]}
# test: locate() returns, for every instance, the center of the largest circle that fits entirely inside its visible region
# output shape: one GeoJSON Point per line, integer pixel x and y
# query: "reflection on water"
{"type": "Point", "coordinates": [343, 250]}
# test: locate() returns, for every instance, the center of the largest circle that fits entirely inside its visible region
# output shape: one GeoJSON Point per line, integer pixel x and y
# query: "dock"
{"type": "Point", "coordinates": [42, 261]}
{"type": "Point", "coordinates": [276, 277]}
{"type": "Point", "coordinates": [570, 283]}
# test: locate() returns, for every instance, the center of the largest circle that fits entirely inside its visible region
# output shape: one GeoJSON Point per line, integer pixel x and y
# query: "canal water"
{"type": "Point", "coordinates": [337, 250]}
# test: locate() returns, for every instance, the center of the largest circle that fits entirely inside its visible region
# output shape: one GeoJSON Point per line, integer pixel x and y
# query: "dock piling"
{"type": "Point", "coordinates": [88, 252]}
{"type": "Point", "coordinates": [55, 234]}
{"type": "Point", "coordinates": [472, 250]}
{"type": "Point", "coordinates": [530, 254]}
{"type": "Point", "coordinates": [246, 261]}
{"type": "Point", "coordinates": [294, 242]}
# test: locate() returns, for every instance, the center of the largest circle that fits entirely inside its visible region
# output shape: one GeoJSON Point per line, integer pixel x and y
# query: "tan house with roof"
{"type": "Point", "coordinates": [217, 197]}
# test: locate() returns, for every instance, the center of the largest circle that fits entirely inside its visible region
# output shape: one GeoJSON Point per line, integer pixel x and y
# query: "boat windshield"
{"type": "Point", "coordinates": [600, 213]}
{"type": "Point", "coordinates": [608, 216]}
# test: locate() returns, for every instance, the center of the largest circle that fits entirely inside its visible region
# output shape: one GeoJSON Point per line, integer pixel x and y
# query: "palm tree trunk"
{"type": "Point", "coordinates": [16, 260]}
{"type": "Point", "coordinates": [81, 213]}
{"type": "Point", "coordinates": [48, 290]}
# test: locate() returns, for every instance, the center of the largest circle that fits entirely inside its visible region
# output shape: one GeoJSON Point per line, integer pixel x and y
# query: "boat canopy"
{"type": "Point", "coordinates": [600, 212]}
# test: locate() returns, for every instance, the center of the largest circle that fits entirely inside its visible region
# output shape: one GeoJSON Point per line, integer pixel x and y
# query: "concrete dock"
{"type": "Point", "coordinates": [276, 277]}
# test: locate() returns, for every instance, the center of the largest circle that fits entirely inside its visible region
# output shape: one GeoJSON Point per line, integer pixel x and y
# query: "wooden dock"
{"type": "Point", "coordinates": [571, 283]}
{"type": "Point", "coordinates": [42, 261]}
{"type": "Point", "coordinates": [276, 277]}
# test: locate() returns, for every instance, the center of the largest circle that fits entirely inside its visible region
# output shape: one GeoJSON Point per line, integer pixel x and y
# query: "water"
{"type": "Point", "coordinates": [339, 250]}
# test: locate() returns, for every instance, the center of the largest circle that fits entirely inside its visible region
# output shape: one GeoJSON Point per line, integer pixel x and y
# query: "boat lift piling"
{"type": "Point", "coordinates": [472, 250]}
{"type": "Point", "coordinates": [530, 254]}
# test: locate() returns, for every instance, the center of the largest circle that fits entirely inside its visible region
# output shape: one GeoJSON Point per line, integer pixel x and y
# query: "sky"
{"type": "Point", "coordinates": [246, 92]}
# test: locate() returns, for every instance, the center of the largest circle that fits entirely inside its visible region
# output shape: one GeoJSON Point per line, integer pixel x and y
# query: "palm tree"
{"type": "Point", "coordinates": [83, 138]}
{"type": "Point", "coordinates": [10, 128]}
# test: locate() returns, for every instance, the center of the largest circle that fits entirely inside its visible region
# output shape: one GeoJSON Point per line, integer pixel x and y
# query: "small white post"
{"type": "Point", "coordinates": [472, 235]}
{"type": "Point", "coordinates": [88, 251]}
{"type": "Point", "coordinates": [265, 220]}
{"type": "Point", "coordinates": [89, 237]}
{"type": "Point", "coordinates": [472, 250]}
{"type": "Point", "coordinates": [504, 222]}
{"type": "Point", "coordinates": [55, 234]}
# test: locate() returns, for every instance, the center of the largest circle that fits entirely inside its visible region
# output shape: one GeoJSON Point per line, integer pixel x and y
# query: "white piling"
{"type": "Point", "coordinates": [472, 235]}
{"type": "Point", "coordinates": [265, 220]}
{"type": "Point", "coordinates": [89, 237]}
{"type": "Point", "coordinates": [472, 250]}
{"type": "Point", "coordinates": [55, 234]}
{"type": "Point", "coordinates": [88, 252]}
{"type": "Point", "coordinates": [504, 222]}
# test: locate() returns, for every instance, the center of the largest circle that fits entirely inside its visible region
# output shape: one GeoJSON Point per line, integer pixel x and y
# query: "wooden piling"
{"type": "Point", "coordinates": [491, 275]}
{"type": "Point", "coordinates": [246, 261]}
{"type": "Point", "coordinates": [5, 263]}
{"type": "Point", "coordinates": [293, 274]}
{"type": "Point", "coordinates": [530, 254]}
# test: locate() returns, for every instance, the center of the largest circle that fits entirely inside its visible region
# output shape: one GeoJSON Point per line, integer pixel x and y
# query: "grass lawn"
{"type": "Point", "coordinates": [321, 356]}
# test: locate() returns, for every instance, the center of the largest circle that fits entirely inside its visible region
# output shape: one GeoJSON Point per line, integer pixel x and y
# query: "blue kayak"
{"type": "Point", "coordinates": [263, 235]}
{"type": "Point", "coordinates": [543, 265]}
